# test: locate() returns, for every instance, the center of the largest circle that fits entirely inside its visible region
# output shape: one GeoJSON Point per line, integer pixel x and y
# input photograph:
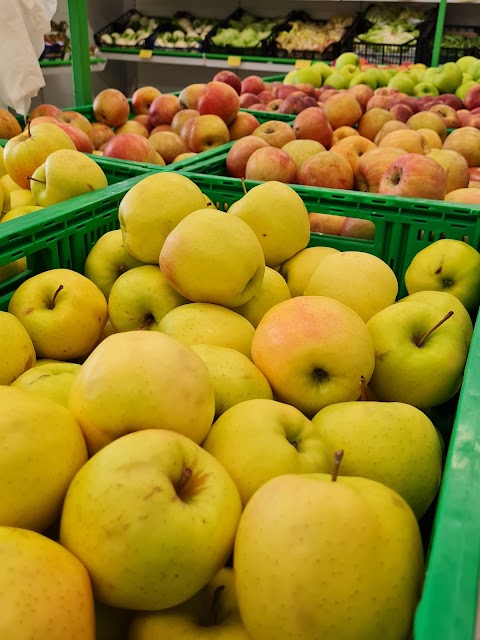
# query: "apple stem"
{"type": "Point", "coordinates": [363, 385]}
{"type": "Point", "coordinates": [28, 128]}
{"type": "Point", "coordinates": [55, 296]}
{"type": "Point", "coordinates": [216, 604]}
{"type": "Point", "coordinates": [337, 459]}
{"type": "Point", "coordinates": [244, 187]}
{"type": "Point", "coordinates": [36, 180]}
{"type": "Point", "coordinates": [430, 331]}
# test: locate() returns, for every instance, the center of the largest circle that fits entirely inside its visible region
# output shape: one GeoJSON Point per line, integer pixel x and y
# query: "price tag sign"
{"type": "Point", "coordinates": [145, 54]}
{"type": "Point", "coordinates": [234, 61]}
{"type": "Point", "coordinates": [302, 64]}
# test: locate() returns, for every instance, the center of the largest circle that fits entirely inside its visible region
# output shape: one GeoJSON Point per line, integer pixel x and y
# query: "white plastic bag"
{"type": "Point", "coordinates": [23, 24]}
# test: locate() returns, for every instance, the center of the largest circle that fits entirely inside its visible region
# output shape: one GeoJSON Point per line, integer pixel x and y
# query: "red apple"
{"type": "Point", "coordinates": [379, 102]}
{"type": "Point", "coordinates": [266, 96]}
{"type": "Point", "coordinates": [219, 99]}
{"type": "Point", "coordinates": [185, 131]}
{"type": "Point", "coordinates": [306, 88]}
{"type": "Point", "coordinates": [111, 107]}
{"type": "Point", "coordinates": [130, 146]}
{"type": "Point", "coordinates": [312, 124]}
{"type": "Point", "coordinates": [285, 90]}
{"type": "Point", "coordinates": [163, 109]}
{"type": "Point", "coordinates": [161, 127]}
{"type": "Point", "coordinates": [76, 120]}
{"type": "Point", "coordinates": [270, 163]}
{"type": "Point", "coordinates": [358, 228]}
{"type": "Point", "coordinates": [328, 223]}
{"type": "Point", "coordinates": [44, 110]}
{"type": "Point", "coordinates": [180, 118]}
{"type": "Point", "coordinates": [243, 125]}
{"type": "Point", "coordinates": [275, 133]}
{"type": "Point", "coordinates": [327, 169]}
{"type": "Point", "coordinates": [327, 93]}
{"type": "Point", "coordinates": [229, 78]}
{"type": "Point", "coordinates": [372, 165]}
{"type": "Point", "coordinates": [207, 131]}
{"type": "Point", "coordinates": [239, 154]}
{"type": "Point", "coordinates": [474, 121]}
{"type": "Point", "coordinates": [472, 99]}
{"type": "Point", "coordinates": [101, 134]}
{"type": "Point", "coordinates": [189, 96]}
{"type": "Point", "coordinates": [402, 112]}
{"type": "Point", "coordinates": [143, 119]}
{"type": "Point", "coordinates": [79, 138]}
{"type": "Point", "coordinates": [463, 116]}
{"type": "Point", "coordinates": [385, 91]}
{"type": "Point", "coordinates": [168, 145]}
{"type": "Point", "coordinates": [133, 126]}
{"type": "Point", "coordinates": [414, 176]}
{"type": "Point", "coordinates": [252, 84]}
{"type": "Point", "coordinates": [297, 102]}
{"type": "Point", "coordinates": [474, 174]}
{"type": "Point", "coordinates": [247, 99]}
{"type": "Point", "coordinates": [142, 98]}
{"type": "Point", "coordinates": [362, 93]}
{"type": "Point", "coordinates": [451, 100]}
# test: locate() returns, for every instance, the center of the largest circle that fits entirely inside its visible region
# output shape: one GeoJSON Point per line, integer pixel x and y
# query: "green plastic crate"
{"type": "Point", "coordinates": [64, 235]}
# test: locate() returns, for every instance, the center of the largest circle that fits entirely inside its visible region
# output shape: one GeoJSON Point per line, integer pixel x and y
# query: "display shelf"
{"type": "Point", "coordinates": [58, 67]}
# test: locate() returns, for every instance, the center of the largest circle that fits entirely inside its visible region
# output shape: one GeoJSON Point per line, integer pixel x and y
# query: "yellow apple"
{"type": "Point", "coordinates": [360, 280]}
{"type": "Point", "coordinates": [139, 380]}
{"type": "Point", "coordinates": [17, 353]}
{"type": "Point", "coordinates": [26, 152]}
{"type": "Point", "coordinates": [51, 381]}
{"type": "Point", "coordinates": [273, 290]}
{"type": "Point", "coordinates": [235, 378]}
{"type": "Point", "coordinates": [140, 298]}
{"type": "Point", "coordinates": [63, 312]}
{"type": "Point", "coordinates": [145, 225]}
{"type": "Point", "coordinates": [22, 198]}
{"type": "Point", "coordinates": [313, 350]}
{"type": "Point", "coordinates": [43, 448]}
{"type": "Point", "coordinates": [260, 439]}
{"type": "Point", "coordinates": [8, 186]}
{"type": "Point", "coordinates": [298, 269]}
{"type": "Point", "coordinates": [301, 150]}
{"type": "Point", "coordinates": [18, 212]}
{"type": "Point", "coordinates": [213, 257]}
{"type": "Point", "coordinates": [12, 269]}
{"type": "Point", "coordinates": [37, 574]}
{"type": "Point", "coordinates": [203, 323]}
{"type": "Point", "coordinates": [211, 614]}
{"type": "Point", "coordinates": [152, 517]}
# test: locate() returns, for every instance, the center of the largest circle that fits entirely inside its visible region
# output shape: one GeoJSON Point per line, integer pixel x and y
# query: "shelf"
{"type": "Point", "coordinates": [203, 61]}
{"type": "Point", "coordinates": [59, 67]}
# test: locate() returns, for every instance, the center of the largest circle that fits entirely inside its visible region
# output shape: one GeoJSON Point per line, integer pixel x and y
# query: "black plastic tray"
{"type": "Point", "coordinates": [262, 49]}
{"type": "Point", "coordinates": [328, 54]}
{"type": "Point", "coordinates": [451, 54]}
{"type": "Point", "coordinates": [396, 53]}
{"type": "Point", "coordinates": [119, 25]}
{"type": "Point", "coordinates": [169, 24]}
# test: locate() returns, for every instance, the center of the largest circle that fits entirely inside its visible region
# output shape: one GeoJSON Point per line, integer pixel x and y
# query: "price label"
{"type": "Point", "coordinates": [234, 61]}
{"type": "Point", "coordinates": [302, 64]}
{"type": "Point", "coordinates": [145, 54]}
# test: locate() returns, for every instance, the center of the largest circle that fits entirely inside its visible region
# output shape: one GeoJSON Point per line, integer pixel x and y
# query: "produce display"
{"type": "Point", "coordinates": [461, 38]}
{"type": "Point", "coordinates": [392, 24]}
{"type": "Point", "coordinates": [313, 36]}
{"type": "Point", "coordinates": [135, 31]}
{"type": "Point", "coordinates": [188, 33]}
{"type": "Point", "coordinates": [246, 31]}
{"type": "Point", "coordinates": [310, 392]}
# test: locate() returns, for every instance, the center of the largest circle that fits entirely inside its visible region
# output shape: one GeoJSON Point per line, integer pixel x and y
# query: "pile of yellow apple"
{"type": "Point", "coordinates": [211, 386]}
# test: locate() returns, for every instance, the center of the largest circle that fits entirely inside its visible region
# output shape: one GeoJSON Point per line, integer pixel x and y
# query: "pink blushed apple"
{"type": "Point", "coordinates": [143, 119]}
{"type": "Point", "coordinates": [312, 124]}
{"type": "Point", "coordinates": [252, 84]}
{"type": "Point", "coordinates": [270, 163]}
{"type": "Point", "coordinates": [414, 176]}
{"type": "Point", "coordinates": [163, 109]}
{"type": "Point", "coordinates": [101, 134]}
{"type": "Point", "coordinates": [240, 153]}
{"type": "Point", "coordinates": [111, 107]}
{"type": "Point", "coordinates": [266, 96]}
{"type": "Point", "coordinates": [372, 165]}
{"type": "Point", "coordinates": [472, 99]}
{"type": "Point", "coordinates": [44, 110]}
{"type": "Point", "coordinates": [243, 125]}
{"type": "Point", "coordinates": [142, 98]}
{"type": "Point", "coordinates": [206, 132]}
{"type": "Point", "coordinates": [219, 99]}
{"type": "Point", "coordinates": [464, 196]}
{"type": "Point", "coordinates": [189, 96]}
{"type": "Point", "coordinates": [181, 117]}
{"type": "Point", "coordinates": [130, 146]}
{"type": "Point", "coordinates": [326, 169]}
{"type": "Point", "coordinates": [247, 99]}
{"type": "Point", "coordinates": [259, 106]}
{"type": "Point", "coordinates": [275, 133]}
{"type": "Point", "coordinates": [229, 78]}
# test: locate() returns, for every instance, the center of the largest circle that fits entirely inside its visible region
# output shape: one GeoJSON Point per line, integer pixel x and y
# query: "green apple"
{"type": "Point", "coordinates": [363, 78]}
{"type": "Point", "coordinates": [283, 234]}
{"type": "Point", "coordinates": [291, 76]}
{"type": "Point", "coordinates": [466, 61]}
{"type": "Point", "coordinates": [325, 69]}
{"type": "Point", "coordinates": [63, 312]}
{"type": "Point", "coordinates": [419, 355]}
{"type": "Point", "coordinates": [51, 381]}
{"type": "Point", "coordinates": [211, 614]}
{"type": "Point", "coordinates": [143, 517]}
{"type": "Point", "coordinates": [139, 380]}
{"type": "Point", "coordinates": [107, 260]}
{"type": "Point", "coordinates": [463, 89]}
{"type": "Point", "coordinates": [337, 81]}
{"type": "Point", "coordinates": [140, 298]}
{"type": "Point", "coordinates": [297, 270]}
{"type": "Point", "coordinates": [234, 377]}
{"type": "Point", "coordinates": [260, 439]}
{"type": "Point", "coordinates": [37, 574]}
{"type": "Point", "coordinates": [65, 174]}
{"type": "Point", "coordinates": [446, 302]}
{"type": "Point", "coordinates": [403, 83]}
{"type": "Point", "coordinates": [42, 450]}
{"type": "Point", "coordinates": [390, 73]}
{"type": "Point", "coordinates": [202, 323]}
{"type": "Point", "coordinates": [309, 75]}
{"type": "Point", "coordinates": [348, 71]}
{"type": "Point", "coordinates": [347, 58]}
{"type": "Point", "coordinates": [447, 265]}
{"type": "Point", "coordinates": [379, 75]}
{"type": "Point", "coordinates": [474, 70]}
{"type": "Point", "coordinates": [358, 279]}
{"type": "Point", "coordinates": [313, 351]}
{"type": "Point", "coordinates": [17, 353]}
{"type": "Point", "coordinates": [425, 89]}
{"type": "Point", "coordinates": [144, 223]}
{"type": "Point", "coordinates": [466, 78]}
{"type": "Point", "coordinates": [274, 289]}
{"type": "Point", "coordinates": [448, 77]}
{"type": "Point", "coordinates": [429, 74]}
{"type": "Point", "coordinates": [307, 540]}
{"type": "Point", "coordinates": [390, 442]}
{"type": "Point", "coordinates": [227, 270]}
